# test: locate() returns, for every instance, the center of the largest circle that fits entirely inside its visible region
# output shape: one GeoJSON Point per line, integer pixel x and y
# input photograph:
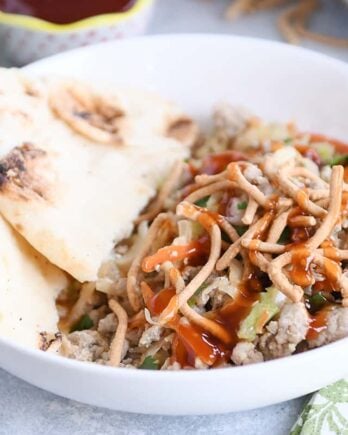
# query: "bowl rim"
{"type": "Point", "coordinates": [40, 25]}
{"type": "Point", "coordinates": [202, 36]}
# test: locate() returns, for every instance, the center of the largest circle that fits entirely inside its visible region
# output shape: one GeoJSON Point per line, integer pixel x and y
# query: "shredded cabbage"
{"type": "Point", "coordinates": [261, 313]}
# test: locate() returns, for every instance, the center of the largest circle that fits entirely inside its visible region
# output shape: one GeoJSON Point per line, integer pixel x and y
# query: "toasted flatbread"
{"type": "Point", "coordinates": [123, 117]}
{"type": "Point", "coordinates": [70, 195]}
{"type": "Point", "coordinates": [29, 285]}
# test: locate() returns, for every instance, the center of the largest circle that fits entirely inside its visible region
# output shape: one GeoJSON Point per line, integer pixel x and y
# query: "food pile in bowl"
{"type": "Point", "coordinates": [143, 242]}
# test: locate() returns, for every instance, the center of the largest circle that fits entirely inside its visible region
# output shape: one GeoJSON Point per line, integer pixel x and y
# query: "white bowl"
{"type": "Point", "coordinates": [276, 81]}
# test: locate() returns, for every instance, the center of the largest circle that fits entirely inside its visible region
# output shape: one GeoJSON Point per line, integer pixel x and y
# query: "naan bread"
{"type": "Point", "coordinates": [29, 285]}
{"type": "Point", "coordinates": [73, 197]}
{"type": "Point", "coordinates": [124, 118]}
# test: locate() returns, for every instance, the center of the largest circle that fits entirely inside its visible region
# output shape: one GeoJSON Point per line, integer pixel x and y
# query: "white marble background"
{"type": "Point", "coordinates": [26, 410]}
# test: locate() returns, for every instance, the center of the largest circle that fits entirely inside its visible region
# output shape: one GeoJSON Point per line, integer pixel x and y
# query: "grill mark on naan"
{"type": "Point", "coordinates": [183, 129]}
{"type": "Point", "coordinates": [89, 114]}
{"type": "Point", "coordinates": [19, 172]}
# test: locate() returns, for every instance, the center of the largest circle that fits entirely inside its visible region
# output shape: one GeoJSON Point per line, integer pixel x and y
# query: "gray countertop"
{"type": "Point", "coordinates": [27, 410]}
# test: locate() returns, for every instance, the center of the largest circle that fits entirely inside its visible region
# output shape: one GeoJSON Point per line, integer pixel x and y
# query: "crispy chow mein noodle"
{"type": "Point", "coordinates": [168, 186]}
{"type": "Point", "coordinates": [80, 307]}
{"type": "Point", "coordinates": [132, 281]}
{"type": "Point", "coordinates": [293, 22]}
{"type": "Point", "coordinates": [234, 249]}
{"type": "Point", "coordinates": [277, 227]}
{"type": "Point", "coordinates": [247, 244]}
{"type": "Point", "coordinates": [118, 341]}
{"type": "Point", "coordinates": [250, 211]}
{"type": "Point", "coordinates": [194, 317]}
{"type": "Point", "coordinates": [210, 189]}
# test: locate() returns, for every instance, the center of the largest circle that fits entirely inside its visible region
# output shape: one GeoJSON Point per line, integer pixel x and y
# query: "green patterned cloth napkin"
{"type": "Point", "coordinates": [326, 413]}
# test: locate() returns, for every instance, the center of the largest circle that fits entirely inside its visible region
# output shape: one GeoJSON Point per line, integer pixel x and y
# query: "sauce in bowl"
{"type": "Point", "coordinates": [64, 11]}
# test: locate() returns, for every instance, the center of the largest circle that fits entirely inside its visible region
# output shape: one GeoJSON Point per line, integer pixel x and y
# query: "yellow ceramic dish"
{"type": "Point", "coordinates": [27, 38]}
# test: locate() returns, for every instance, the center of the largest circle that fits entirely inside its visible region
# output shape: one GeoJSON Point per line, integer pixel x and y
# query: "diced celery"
{"type": "Point", "coordinates": [202, 202]}
{"type": "Point", "coordinates": [149, 363]}
{"type": "Point", "coordinates": [339, 160]}
{"type": "Point", "coordinates": [84, 323]}
{"type": "Point", "coordinates": [242, 205]}
{"type": "Point", "coordinates": [241, 229]}
{"type": "Point", "coordinates": [325, 150]}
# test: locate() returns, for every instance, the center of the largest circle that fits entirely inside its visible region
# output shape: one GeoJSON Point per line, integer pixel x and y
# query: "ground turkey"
{"type": "Point", "coordinates": [283, 335]}
{"type": "Point", "coordinates": [337, 327]}
{"type": "Point", "coordinates": [245, 353]}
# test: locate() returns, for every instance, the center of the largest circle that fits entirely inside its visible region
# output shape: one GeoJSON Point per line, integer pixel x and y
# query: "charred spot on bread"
{"type": "Point", "coordinates": [18, 171]}
{"type": "Point", "coordinates": [47, 339]}
{"type": "Point", "coordinates": [91, 115]}
{"type": "Point", "coordinates": [184, 130]}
